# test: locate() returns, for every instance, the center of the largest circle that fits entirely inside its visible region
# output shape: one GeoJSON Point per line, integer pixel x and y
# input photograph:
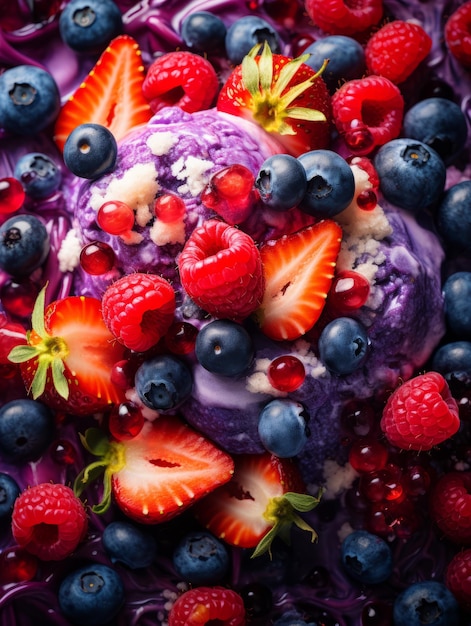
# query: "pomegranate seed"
{"type": "Point", "coordinates": [359, 138]}
{"type": "Point", "coordinates": [384, 484]}
{"type": "Point", "coordinates": [17, 565]}
{"type": "Point", "coordinates": [125, 421]}
{"type": "Point", "coordinates": [18, 298]}
{"type": "Point", "coordinates": [357, 419]}
{"type": "Point", "coordinates": [367, 200]}
{"type": "Point", "coordinates": [63, 452]}
{"type": "Point", "coordinates": [169, 208]}
{"type": "Point", "coordinates": [300, 43]}
{"type": "Point", "coordinates": [97, 258]}
{"type": "Point", "coordinates": [115, 217]}
{"type": "Point", "coordinates": [12, 195]}
{"type": "Point", "coordinates": [349, 291]}
{"type": "Point", "coordinates": [230, 193]}
{"type": "Point", "coordinates": [122, 374]}
{"type": "Point", "coordinates": [368, 455]}
{"type": "Point", "coordinates": [181, 337]}
{"type": "Point", "coordinates": [286, 373]}
{"type": "Point", "coordinates": [416, 480]}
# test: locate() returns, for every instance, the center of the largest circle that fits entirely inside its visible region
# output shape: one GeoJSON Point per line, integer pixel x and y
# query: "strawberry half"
{"type": "Point", "coordinates": [158, 474]}
{"type": "Point", "coordinates": [298, 270]}
{"type": "Point", "coordinates": [286, 97]}
{"type": "Point", "coordinates": [258, 503]}
{"type": "Point", "coordinates": [111, 94]}
{"type": "Point", "coordinates": [69, 356]}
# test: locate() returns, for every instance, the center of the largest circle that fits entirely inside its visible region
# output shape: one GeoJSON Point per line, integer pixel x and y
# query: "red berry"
{"type": "Point", "coordinates": [349, 291]}
{"type": "Point", "coordinates": [181, 338]}
{"type": "Point", "coordinates": [12, 195]}
{"type": "Point", "coordinates": [286, 373]}
{"type": "Point", "coordinates": [359, 138]}
{"type": "Point", "coordinates": [458, 578]}
{"type": "Point", "coordinates": [458, 34]}
{"type": "Point", "coordinates": [385, 484]}
{"type": "Point", "coordinates": [202, 605]}
{"type": "Point", "coordinates": [17, 566]}
{"type": "Point", "coordinates": [138, 309]}
{"type": "Point", "coordinates": [169, 208]}
{"type": "Point", "coordinates": [367, 200]}
{"type": "Point", "coordinates": [115, 217]}
{"type": "Point", "coordinates": [450, 506]}
{"type": "Point", "coordinates": [421, 413]}
{"type": "Point", "coordinates": [181, 79]}
{"type": "Point", "coordinates": [221, 270]}
{"type": "Point", "coordinates": [396, 50]}
{"type": "Point", "coordinates": [416, 480]}
{"type": "Point", "coordinates": [125, 421]}
{"type": "Point", "coordinates": [97, 258]}
{"type": "Point", "coordinates": [230, 193]}
{"type": "Point", "coordinates": [63, 452]}
{"type": "Point", "coordinates": [18, 298]}
{"type": "Point", "coordinates": [49, 521]}
{"type": "Point", "coordinates": [341, 17]}
{"type": "Point", "coordinates": [373, 101]}
{"type": "Point", "coordinates": [368, 455]}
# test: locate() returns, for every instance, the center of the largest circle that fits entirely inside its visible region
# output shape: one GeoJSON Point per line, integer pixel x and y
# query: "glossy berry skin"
{"type": "Point", "coordinates": [89, 25]}
{"type": "Point", "coordinates": [427, 602]}
{"type": "Point", "coordinates": [330, 183]}
{"type": "Point", "coordinates": [453, 216]}
{"type": "Point", "coordinates": [457, 303]}
{"type": "Point", "coordinates": [281, 182]}
{"type": "Point", "coordinates": [203, 31]}
{"type": "Point", "coordinates": [224, 347]}
{"type": "Point", "coordinates": [247, 32]}
{"type": "Point", "coordinates": [341, 17]}
{"type": "Point", "coordinates": [439, 123]}
{"type": "Point", "coordinates": [457, 36]}
{"type": "Point", "coordinates": [12, 195]}
{"type": "Point", "coordinates": [9, 491]}
{"type": "Point", "coordinates": [90, 151]}
{"type": "Point", "coordinates": [346, 59]}
{"type": "Point", "coordinates": [458, 578]}
{"type": "Point", "coordinates": [450, 507]}
{"type": "Point", "coordinates": [92, 594]}
{"type": "Point", "coordinates": [126, 543]}
{"type": "Point", "coordinates": [282, 427]}
{"type": "Point", "coordinates": [163, 382]}
{"type": "Point", "coordinates": [205, 605]}
{"type": "Point", "coordinates": [366, 557]}
{"type": "Point", "coordinates": [39, 174]}
{"type": "Point", "coordinates": [452, 357]}
{"type": "Point", "coordinates": [24, 245]}
{"type": "Point", "coordinates": [286, 373]}
{"type": "Point", "coordinates": [29, 100]}
{"type": "Point", "coordinates": [412, 175]}
{"type": "Point", "coordinates": [343, 345]}
{"type": "Point", "coordinates": [201, 559]}
{"type": "Point", "coordinates": [26, 429]}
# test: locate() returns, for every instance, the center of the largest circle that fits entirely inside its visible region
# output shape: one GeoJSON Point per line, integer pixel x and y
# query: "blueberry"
{"type": "Point", "coordinates": [127, 543]}
{"type": "Point", "coordinates": [92, 595]}
{"type": "Point", "coordinates": [201, 559]}
{"type": "Point", "coordinates": [247, 32]}
{"type": "Point", "coordinates": [203, 31]}
{"type": "Point", "coordinates": [90, 151]}
{"type": "Point", "coordinates": [452, 357]}
{"type": "Point", "coordinates": [281, 182]}
{"type": "Point", "coordinates": [346, 59]}
{"type": "Point", "coordinates": [428, 602]}
{"type": "Point", "coordinates": [90, 25]}
{"type": "Point", "coordinates": [454, 217]}
{"type": "Point", "coordinates": [412, 175]}
{"type": "Point", "coordinates": [26, 429]}
{"type": "Point", "coordinates": [24, 245]}
{"type": "Point", "coordinates": [224, 347]}
{"type": "Point", "coordinates": [282, 427]}
{"type": "Point", "coordinates": [29, 100]}
{"type": "Point", "coordinates": [9, 491]}
{"type": "Point", "coordinates": [290, 619]}
{"type": "Point", "coordinates": [343, 345]}
{"type": "Point", "coordinates": [163, 382]}
{"type": "Point", "coordinates": [366, 557]}
{"type": "Point", "coordinates": [330, 183]}
{"type": "Point", "coordinates": [39, 174]}
{"type": "Point", "coordinates": [457, 304]}
{"type": "Point", "coordinates": [439, 123]}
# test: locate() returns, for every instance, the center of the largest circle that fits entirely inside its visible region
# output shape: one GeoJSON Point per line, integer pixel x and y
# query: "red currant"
{"type": "Point", "coordinates": [12, 195]}
{"type": "Point", "coordinates": [300, 42]}
{"type": "Point", "coordinates": [17, 565]}
{"type": "Point", "coordinates": [416, 480]}
{"type": "Point", "coordinates": [125, 421]}
{"type": "Point", "coordinates": [286, 373]}
{"type": "Point", "coordinates": [368, 455]}
{"type": "Point", "coordinates": [115, 217]}
{"type": "Point", "coordinates": [181, 337]}
{"type": "Point", "coordinates": [357, 420]}
{"type": "Point", "coordinates": [169, 208]}
{"type": "Point", "coordinates": [384, 484]}
{"type": "Point", "coordinates": [63, 452]}
{"type": "Point", "coordinates": [122, 374]}
{"type": "Point", "coordinates": [18, 298]}
{"type": "Point", "coordinates": [349, 291]}
{"type": "Point", "coordinates": [230, 193]}
{"type": "Point", "coordinates": [359, 138]}
{"type": "Point", "coordinates": [97, 258]}
{"type": "Point", "coordinates": [367, 200]}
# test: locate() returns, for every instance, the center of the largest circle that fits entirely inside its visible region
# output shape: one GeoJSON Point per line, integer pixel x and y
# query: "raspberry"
{"type": "Point", "coordinates": [49, 521]}
{"type": "Point", "coordinates": [201, 605]}
{"type": "Point", "coordinates": [458, 34]}
{"type": "Point", "coordinates": [421, 413]}
{"type": "Point", "coordinates": [374, 103]}
{"type": "Point", "coordinates": [341, 17]}
{"type": "Point", "coordinates": [138, 310]}
{"type": "Point", "coordinates": [396, 50]}
{"type": "Point", "coordinates": [221, 270]}
{"type": "Point", "coordinates": [450, 506]}
{"type": "Point", "coordinates": [458, 578]}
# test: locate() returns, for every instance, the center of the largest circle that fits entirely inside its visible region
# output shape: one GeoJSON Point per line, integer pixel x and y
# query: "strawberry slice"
{"type": "Point", "coordinates": [298, 270]}
{"type": "Point", "coordinates": [111, 94]}
{"type": "Point", "coordinates": [69, 356]}
{"type": "Point", "coordinates": [258, 503]}
{"type": "Point", "coordinates": [158, 474]}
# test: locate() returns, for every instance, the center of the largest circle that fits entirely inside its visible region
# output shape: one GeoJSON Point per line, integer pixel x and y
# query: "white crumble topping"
{"type": "Point", "coordinates": [69, 252]}
{"type": "Point", "coordinates": [338, 478]}
{"type": "Point", "coordinates": [193, 172]}
{"type": "Point", "coordinates": [160, 144]}
{"type": "Point", "coordinates": [258, 381]}
{"type": "Point", "coordinates": [163, 233]}
{"type": "Point", "coordinates": [131, 238]}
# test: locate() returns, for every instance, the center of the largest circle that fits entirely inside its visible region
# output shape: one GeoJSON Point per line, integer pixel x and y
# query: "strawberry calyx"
{"type": "Point", "coordinates": [270, 100]}
{"type": "Point", "coordinates": [281, 513]}
{"type": "Point", "coordinates": [111, 459]}
{"type": "Point", "coordinates": [50, 352]}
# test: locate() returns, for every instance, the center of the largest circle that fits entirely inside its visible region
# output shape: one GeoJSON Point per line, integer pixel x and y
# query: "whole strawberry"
{"type": "Point", "coordinates": [421, 413]}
